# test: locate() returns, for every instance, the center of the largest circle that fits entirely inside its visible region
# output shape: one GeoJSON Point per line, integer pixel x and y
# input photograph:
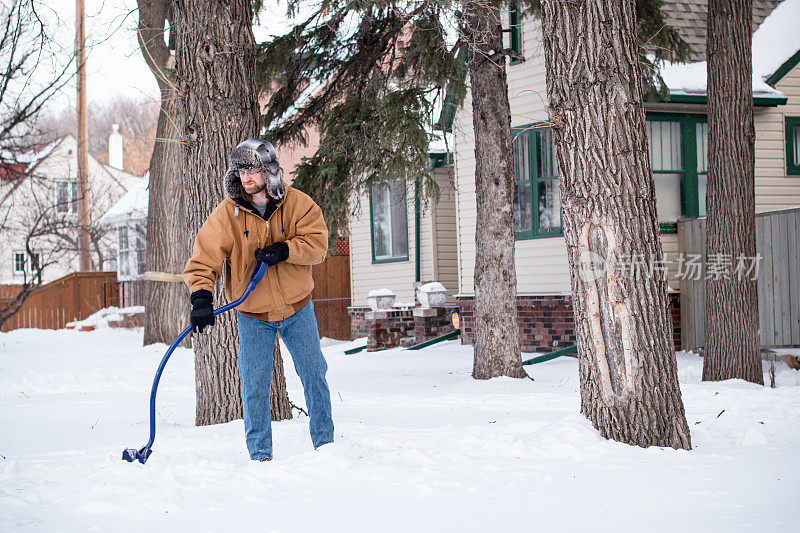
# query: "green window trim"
{"type": "Point", "coordinates": [398, 259]}
{"type": "Point", "coordinates": [792, 162]}
{"type": "Point", "coordinates": [515, 31]}
{"type": "Point", "coordinates": [689, 183]}
{"type": "Point", "coordinates": [784, 69]}
{"type": "Point", "coordinates": [533, 180]}
{"type": "Point", "coordinates": [690, 194]}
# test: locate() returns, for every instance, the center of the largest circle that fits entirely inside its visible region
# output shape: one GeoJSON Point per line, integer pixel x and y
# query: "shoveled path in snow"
{"type": "Point", "coordinates": [421, 446]}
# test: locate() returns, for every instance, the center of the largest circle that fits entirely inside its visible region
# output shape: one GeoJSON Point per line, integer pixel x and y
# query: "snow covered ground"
{"type": "Point", "coordinates": [421, 446]}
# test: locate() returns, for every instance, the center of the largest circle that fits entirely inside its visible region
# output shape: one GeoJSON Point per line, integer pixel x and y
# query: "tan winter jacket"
{"type": "Point", "coordinates": [232, 233]}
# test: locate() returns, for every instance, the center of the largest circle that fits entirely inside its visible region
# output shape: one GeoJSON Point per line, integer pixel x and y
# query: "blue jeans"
{"type": "Point", "coordinates": [256, 341]}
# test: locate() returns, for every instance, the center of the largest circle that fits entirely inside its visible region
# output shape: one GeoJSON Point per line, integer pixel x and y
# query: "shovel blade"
{"type": "Point", "coordinates": [132, 454]}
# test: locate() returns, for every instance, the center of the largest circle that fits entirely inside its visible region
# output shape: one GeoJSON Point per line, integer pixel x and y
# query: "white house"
{"type": "Point", "coordinates": [127, 220]}
{"type": "Point", "coordinates": [40, 201]}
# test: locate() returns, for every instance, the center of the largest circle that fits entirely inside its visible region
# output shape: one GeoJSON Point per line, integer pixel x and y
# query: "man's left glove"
{"type": "Point", "coordinates": [273, 254]}
{"type": "Point", "coordinates": [202, 314]}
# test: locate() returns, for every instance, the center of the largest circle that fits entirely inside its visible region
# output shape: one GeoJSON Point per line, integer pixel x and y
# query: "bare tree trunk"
{"type": "Point", "coordinates": [497, 345]}
{"type": "Point", "coordinates": [218, 108]}
{"type": "Point", "coordinates": [166, 303]}
{"type": "Point", "coordinates": [732, 349]}
{"type": "Point", "coordinates": [628, 371]}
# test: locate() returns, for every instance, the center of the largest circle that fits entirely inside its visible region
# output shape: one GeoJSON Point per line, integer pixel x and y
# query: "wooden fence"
{"type": "Point", "coordinates": [777, 235]}
{"type": "Point", "coordinates": [331, 296]}
{"type": "Point", "coordinates": [51, 306]}
{"type": "Point", "coordinates": [76, 296]}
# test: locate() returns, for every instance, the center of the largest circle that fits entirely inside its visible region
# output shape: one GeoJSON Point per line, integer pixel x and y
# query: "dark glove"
{"type": "Point", "coordinates": [202, 314]}
{"type": "Point", "coordinates": [273, 254]}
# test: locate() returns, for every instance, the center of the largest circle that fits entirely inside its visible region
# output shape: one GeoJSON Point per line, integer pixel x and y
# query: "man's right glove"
{"type": "Point", "coordinates": [202, 314]}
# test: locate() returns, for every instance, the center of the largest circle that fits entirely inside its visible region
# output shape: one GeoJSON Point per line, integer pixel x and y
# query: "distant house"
{"type": "Point", "coordinates": [127, 222]}
{"type": "Point", "coordinates": [38, 197]}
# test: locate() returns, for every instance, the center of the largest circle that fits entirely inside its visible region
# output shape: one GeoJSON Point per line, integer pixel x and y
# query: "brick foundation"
{"type": "Point", "coordinates": [433, 322]}
{"type": "Point", "coordinates": [546, 322]}
{"type": "Point", "coordinates": [358, 324]}
{"type": "Point", "coordinates": [386, 328]}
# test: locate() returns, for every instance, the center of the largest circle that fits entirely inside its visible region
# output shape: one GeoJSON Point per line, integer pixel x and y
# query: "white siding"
{"type": "Point", "coordinates": [442, 266]}
{"type": "Point", "coordinates": [37, 194]}
{"type": "Point", "coordinates": [366, 276]}
{"type": "Point", "coordinates": [437, 248]}
{"type": "Point", "coordinates": [774, 188]}
{"type": "Point", "coordinates": [541, 264]}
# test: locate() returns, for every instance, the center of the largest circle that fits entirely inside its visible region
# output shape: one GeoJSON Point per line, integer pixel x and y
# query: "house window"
{"type": "Point", "coordinates": [66, 196]}
{"type": "Point", "coordinates": [666, 159]}
{"type": "Point", "coordinates": [111, 262]}
{"type": "Point", "coordinates": [679, 159]}
{"type": "Point", "coordinates": [537, 198]}
{"type": "Point", "coordinates": [515, 31]}
{"type": "Point", "coordinates": [18, 264]}
{"type": "Point", "coordinates": [124, 252]}
{"type": "Point", "coordinates": [141, 253]}
{"type": "Point", "coordinates": [21, 264]}
{"type": "Point", "coordinates": [793, 145]}
{"type": "Point", "coordinates": [35, 263]}
{"type": "Point", "coordinates": [389, 222]}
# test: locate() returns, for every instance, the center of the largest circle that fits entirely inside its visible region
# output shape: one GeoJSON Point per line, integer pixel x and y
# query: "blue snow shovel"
{"type": "Point", "coordinates": [141, 455]}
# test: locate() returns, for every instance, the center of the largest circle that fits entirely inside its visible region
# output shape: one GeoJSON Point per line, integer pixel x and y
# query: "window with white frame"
{"type": "Point", "coordinates": [666, 158]}
{"type": "Point", "coordinates": [66, 196]}
{"type": "Point", "coordinates": [111, 260]}
{"type": "Point", "coordinates": [141, 253]}
{"type": "Point", "coordinates": [18, 262]}
{"type": "Point", "coordinates": [22, 264]}
{"type": "Point", "coordinates": [389, 222]}
{"type": "Point", "coordinates": [124, 251]}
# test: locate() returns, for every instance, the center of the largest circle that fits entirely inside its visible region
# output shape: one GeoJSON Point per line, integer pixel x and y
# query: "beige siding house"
{"type": "Point", "coordinates": [677, 131]}
{"type": "Point", "coordinates": [384, 243]}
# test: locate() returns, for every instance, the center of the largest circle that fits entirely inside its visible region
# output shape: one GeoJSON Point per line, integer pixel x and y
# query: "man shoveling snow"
{"type": "Point", "coordinates": [264, 219]}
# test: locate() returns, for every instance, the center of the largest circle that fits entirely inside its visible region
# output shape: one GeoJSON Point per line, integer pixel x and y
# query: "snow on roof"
{"type": "Point", "coordinates": [775, 41]}
{"type": "Point", "coordinates": [691, 78]}
{"type": "Point", "coordinates": [440, 143]}
{"type": "Point", "coordinates": [24, 163]}
{"type": "Point", "coordinates": [133, 204]}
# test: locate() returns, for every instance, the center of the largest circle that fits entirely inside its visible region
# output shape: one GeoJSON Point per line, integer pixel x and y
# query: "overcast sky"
{"type": "Point", "coordinates": [114, 63]}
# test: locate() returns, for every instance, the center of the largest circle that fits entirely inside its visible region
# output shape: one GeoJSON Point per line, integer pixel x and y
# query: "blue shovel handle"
{"type": "Point", "coordinates": [141, 455]}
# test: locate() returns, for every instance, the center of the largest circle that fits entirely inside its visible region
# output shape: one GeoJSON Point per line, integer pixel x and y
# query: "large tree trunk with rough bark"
{"type": "Point", "coordinates": [732, 349]}
{"type": "Point", "coordinates": [497, 344]}
{"type": "Point", "coordinates": [166, 300]}
{"type": "Point", "coordinates": [628, 370]}
{"type": "Point", "coordinates": [217, 109]}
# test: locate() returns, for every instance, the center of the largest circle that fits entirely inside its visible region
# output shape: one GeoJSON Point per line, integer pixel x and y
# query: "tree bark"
{"type": "Point", "coordinates": [166, 303]}
{"type": "Point", "coordinates": [497, 344]}
{"type": "Point", "coordinates": [628, 371]}
{"type": "Point", "coordinates": [218, 108]}
{"type": "Point", "coordinates": [280, 406]}
{"type": "Point", "coordinates": [732, 346]}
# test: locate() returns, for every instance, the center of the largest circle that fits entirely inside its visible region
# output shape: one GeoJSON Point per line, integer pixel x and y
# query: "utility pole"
{"type": "Point", "coordinates": [83, 157]}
